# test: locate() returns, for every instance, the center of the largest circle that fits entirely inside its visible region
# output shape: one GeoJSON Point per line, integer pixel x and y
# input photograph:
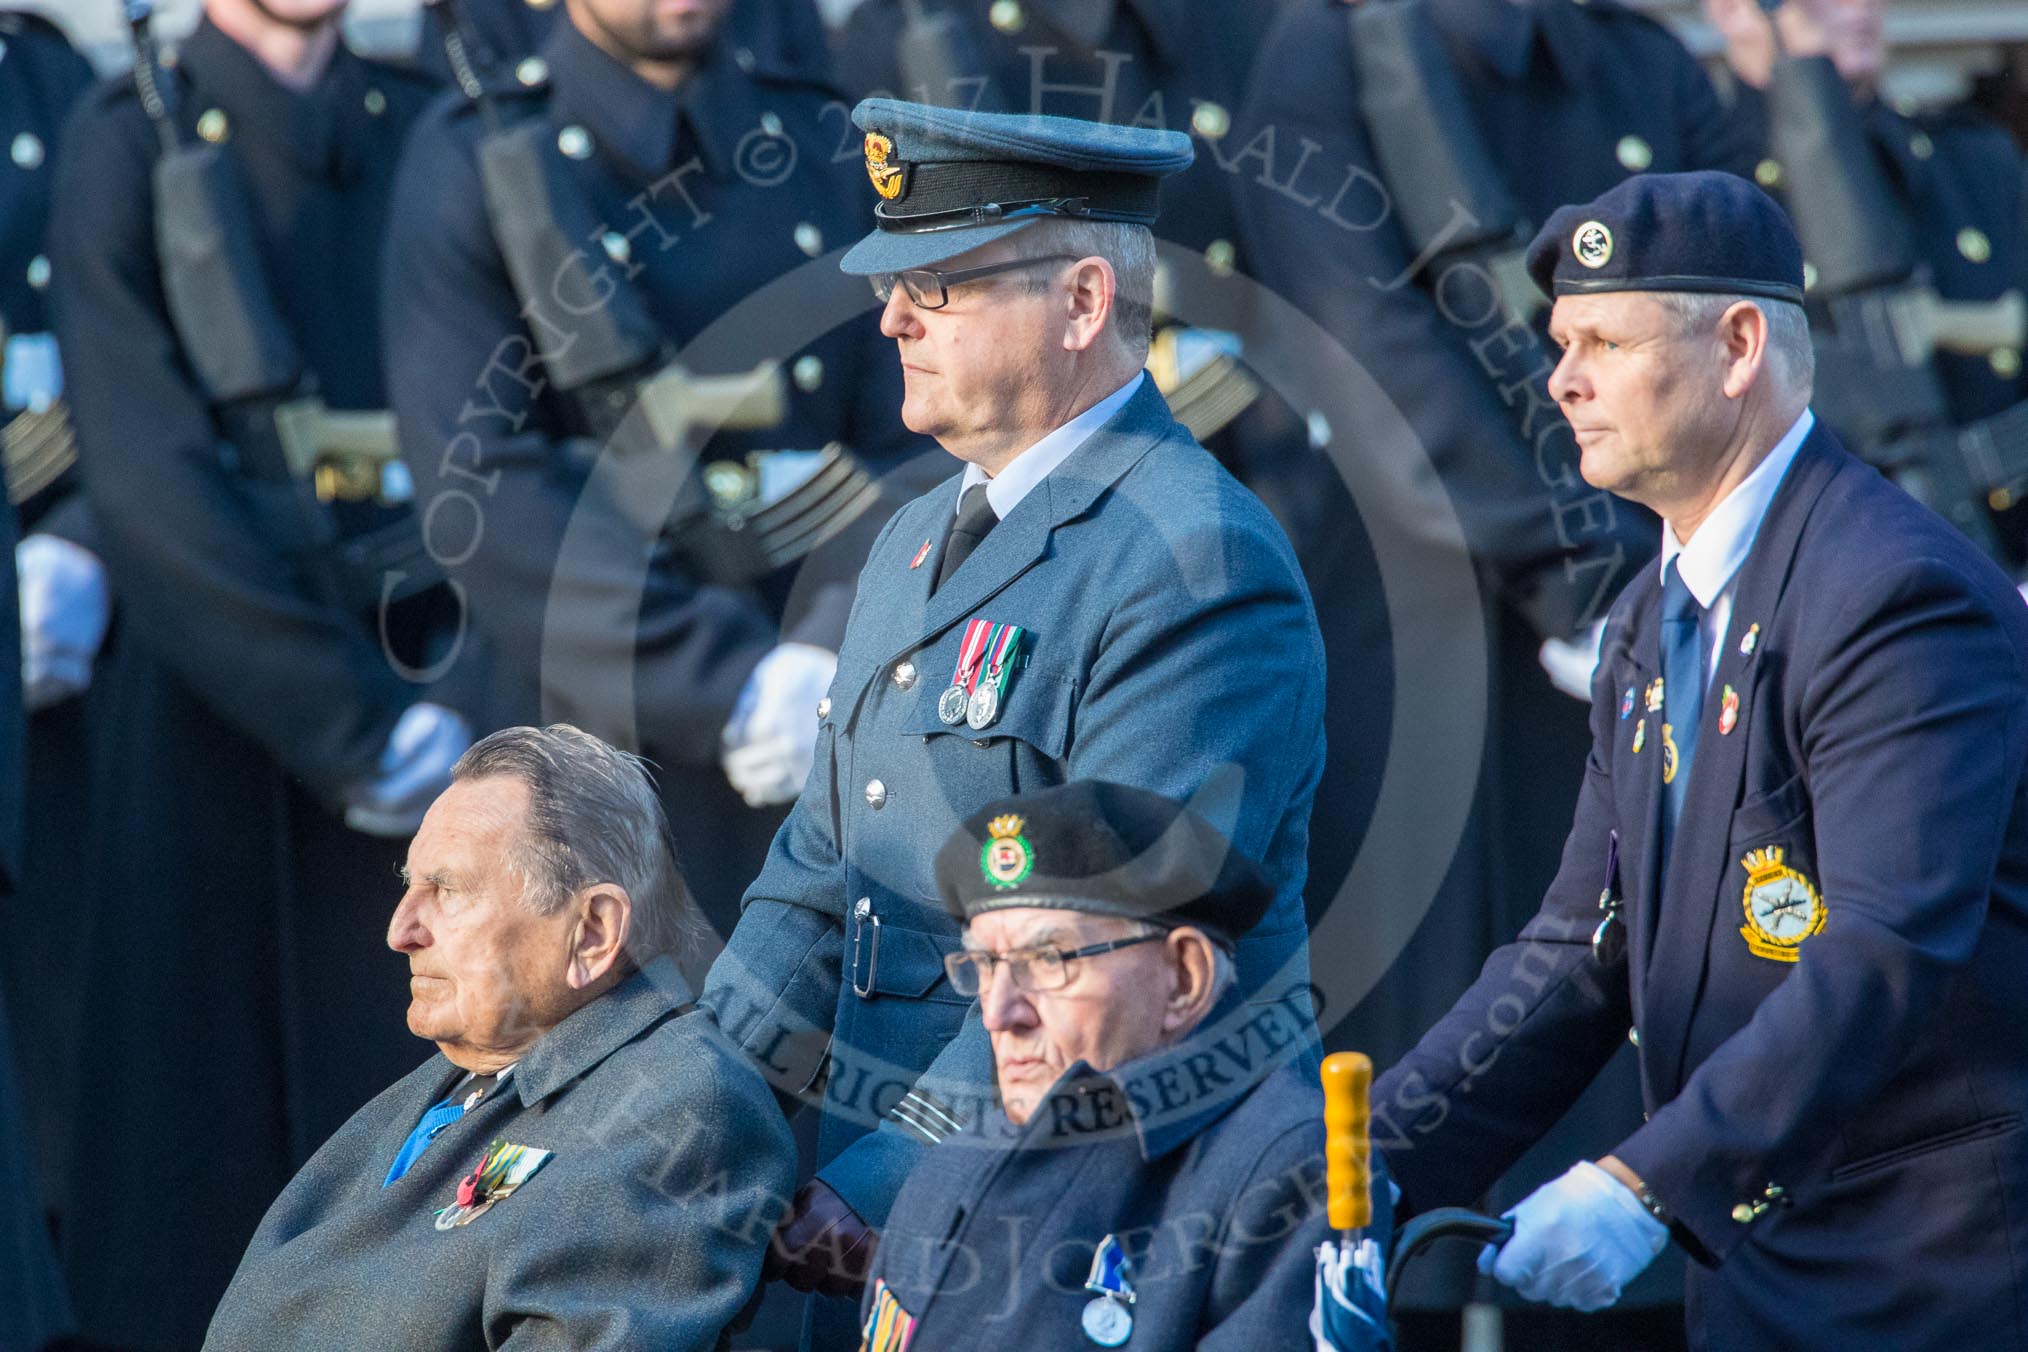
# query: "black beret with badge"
{"type": "Point", "coordinates": [1706, 231]}
{"type": "Point", "coordinates": [950, 180]}
{"type": "Point", "coordinates": [1102, 849]}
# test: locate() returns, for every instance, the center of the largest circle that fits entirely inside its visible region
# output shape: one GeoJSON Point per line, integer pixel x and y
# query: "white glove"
{"type": "Point", "coordinates": [771, 739]}
{"type": "Point", "coordinates": [414, 769]}
{"type": "Point", "coordinates": [1571, 661]}
{"type": "Point", "coordinates": [65, 607]}
{"type": "Point", "coordinates": [1578, 1240]}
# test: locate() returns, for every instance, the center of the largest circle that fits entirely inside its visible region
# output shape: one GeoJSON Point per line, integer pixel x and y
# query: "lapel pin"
{"type": "Point", "coordinates": [1728, 711]}
{"type": "Point", "coordinates": [1655, 695]}
{"type": "Point", "coordinates": [1627, 704]}
{"type": "Point", "coordinates": [1749, 640]}
{"type": "Point", "coordinates": [1640, 735]}
{"type": "Point", "coordinates": [920, 555]}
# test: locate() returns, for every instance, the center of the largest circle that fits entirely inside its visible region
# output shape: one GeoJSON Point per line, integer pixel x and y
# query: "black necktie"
{"type": "Point", "coordinates": [975, 522]}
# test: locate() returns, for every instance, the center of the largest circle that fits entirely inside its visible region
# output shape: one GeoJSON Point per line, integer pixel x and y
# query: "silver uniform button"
{"type": "Point", "coordinates": [824, 707]}
{"type": "Point", "coordinates": [575, 142]}
{"type": "Point", "coordinates": [876, 794]}
{"type": "Point", "coordinates": [904, 676]}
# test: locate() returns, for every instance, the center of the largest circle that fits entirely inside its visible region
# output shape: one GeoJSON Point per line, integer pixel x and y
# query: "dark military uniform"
{"type": "Point", "coordinates": [707, 196]}
{"type": "Point", "coordinates": [41, 77]}
{"type": "Point", "coordinates": [240, 1001]}
{"type": "Point", "coordinates": [1566, 99]}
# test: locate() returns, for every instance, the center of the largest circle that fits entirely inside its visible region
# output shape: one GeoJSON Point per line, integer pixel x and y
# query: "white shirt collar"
{"type": "Point", "coordinates": [1721, 544]}
{"type": "Point", "coordinates": [1013, 483]}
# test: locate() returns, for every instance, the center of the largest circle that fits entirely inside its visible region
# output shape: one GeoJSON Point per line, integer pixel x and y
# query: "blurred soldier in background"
{"type": "Point", "coordinates": [1913, 226]}
{"type": "Point", "coordinates": [556, 244]}
{"type": "Point", "coordinates": [39, 76]}
{"type": "Point", "coordinates": [63, 598]}
{"type": "Point", "coordinates": [781, 34]}
{"type": "Point", "coordinates": [1400, 154]}
{"type": "Point", "coordinates": [215, 238]}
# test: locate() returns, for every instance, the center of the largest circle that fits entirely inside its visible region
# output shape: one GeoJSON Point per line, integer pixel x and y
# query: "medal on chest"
{"type": "Point", "coordinates": [953, 704]}
{"type": "Point", "coordinates": [1109, 1319]}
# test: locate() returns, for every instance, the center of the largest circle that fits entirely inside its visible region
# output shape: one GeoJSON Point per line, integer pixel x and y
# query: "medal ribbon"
{"type": "Point", "coordinates": [1003, 643]}
{"type": "Point", "coordinates": [969, 653]}
{"type": "Point", "coordinates": [492, 1169]}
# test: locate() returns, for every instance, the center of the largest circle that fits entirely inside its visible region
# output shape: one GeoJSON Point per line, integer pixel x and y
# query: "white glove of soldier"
{"type": "Point", "coordinates": [770, 742]}
{"type": "Point", "coordinates": [414, 768]}
{"type": "Point", "coordinates": [1578, 1240]}
{"type": "Point", "coordinates": [65, 607]}
{"type": "Point", "coordinates": [1571, 661]}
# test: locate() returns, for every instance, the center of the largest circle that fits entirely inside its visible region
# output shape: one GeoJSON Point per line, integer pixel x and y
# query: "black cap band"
{"type": "Point", "coordinates": [949, 195]}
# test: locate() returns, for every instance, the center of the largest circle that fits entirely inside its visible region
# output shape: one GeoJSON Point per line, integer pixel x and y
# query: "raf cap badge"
{"type": "Point", "coordinates": [1006, 859]}
{"type": "Point", "coordinates": [1592, 243]}
{"type": "Point", "coordinates": [889, 180]}
{"type": "Point", "coordinates": [1782, 906]}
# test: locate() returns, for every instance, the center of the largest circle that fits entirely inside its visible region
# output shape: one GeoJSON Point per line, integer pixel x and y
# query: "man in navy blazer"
{"type": "Point", "coordinates": [1798, 875]}
{"type": "Point", "coordinates": [1093, 597]}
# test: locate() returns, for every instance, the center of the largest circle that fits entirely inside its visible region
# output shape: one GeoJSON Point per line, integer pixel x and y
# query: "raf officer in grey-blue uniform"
{"type": "Point", "coordinates": [1093, 597]}
{"type": "Point", "coordinates": [1155, 1168]}
{"type": "Point", "coordinates": [1798, 871]}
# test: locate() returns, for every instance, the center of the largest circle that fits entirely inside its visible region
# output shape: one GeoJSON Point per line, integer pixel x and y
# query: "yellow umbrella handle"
{"type": "Point", "coordinates": [1348, 1081]}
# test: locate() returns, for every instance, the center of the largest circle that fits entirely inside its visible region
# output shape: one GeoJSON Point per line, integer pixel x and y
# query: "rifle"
{"type": "Point", "coordinates": [1876, 321]}
{"type": "Point", "coordinates": [297, 458]}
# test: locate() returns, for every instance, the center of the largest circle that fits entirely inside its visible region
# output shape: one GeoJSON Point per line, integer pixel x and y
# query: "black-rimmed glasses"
{"type": "Point", "coordinates": [1033, 969]}
{"type": "Point", "coordinates": [929, 288]}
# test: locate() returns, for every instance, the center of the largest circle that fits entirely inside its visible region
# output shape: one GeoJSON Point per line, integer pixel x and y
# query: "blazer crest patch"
{"type": "Point", "coordinates": [1783, 907]}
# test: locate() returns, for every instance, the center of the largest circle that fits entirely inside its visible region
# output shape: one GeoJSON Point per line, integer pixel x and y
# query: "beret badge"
{"type": "Point", "coordinates": [1006, 859]}
{"type": "Point", "coordinates": [888, 179]}
{"type": "Point", "coordinates": [1592, 243]}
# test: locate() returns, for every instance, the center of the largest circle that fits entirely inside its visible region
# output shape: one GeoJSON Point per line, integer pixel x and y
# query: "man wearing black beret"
{"type": "Point", "coordinates": [1798, 875]}
{"type": "Point", "coordinates": [1154, 1169]}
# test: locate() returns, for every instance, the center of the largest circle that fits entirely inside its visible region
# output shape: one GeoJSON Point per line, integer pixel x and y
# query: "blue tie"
{"type": "Point", "coordinates": [1682, 694]}
{"type": "Point", "coordinates": [433, 1121]}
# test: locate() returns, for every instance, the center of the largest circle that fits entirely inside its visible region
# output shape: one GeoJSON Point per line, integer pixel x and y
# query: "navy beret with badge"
{"type": "Point", "coordinates": [950, 180]}
{"type": "Point", "coordinates": [1102, 849]}
{"type": "Point", "coordinates": [1707, 231]}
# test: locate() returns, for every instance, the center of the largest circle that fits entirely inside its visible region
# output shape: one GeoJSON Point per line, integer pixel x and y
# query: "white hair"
{"type": "Point", "coordinates": [1791, 356]}
{"type": "Point", "coordinates": [1130, 248]}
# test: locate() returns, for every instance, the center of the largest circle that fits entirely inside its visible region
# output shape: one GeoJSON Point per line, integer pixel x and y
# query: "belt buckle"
{"type": "Point", "coordinates": [863, 918]}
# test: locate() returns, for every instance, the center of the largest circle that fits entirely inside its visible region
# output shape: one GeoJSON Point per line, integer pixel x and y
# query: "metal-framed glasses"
{"type": "Point", "coordinates": [1033, 969]}
{"type": "Point", "coordinates": [929, 288]}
